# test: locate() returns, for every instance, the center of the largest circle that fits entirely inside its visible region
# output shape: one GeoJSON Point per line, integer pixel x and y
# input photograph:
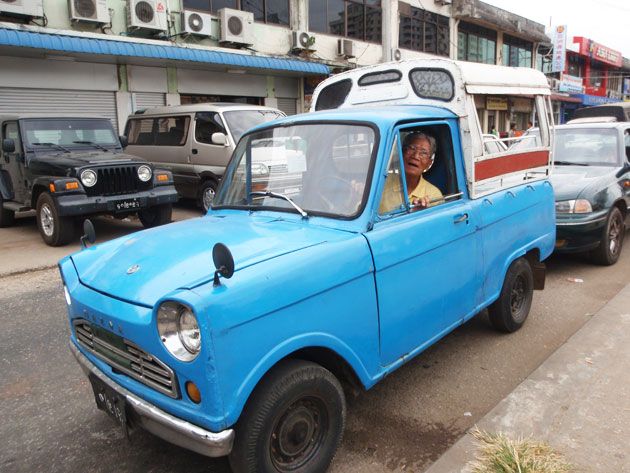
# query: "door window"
{"type": "Point", "coordinates": [206, 124]}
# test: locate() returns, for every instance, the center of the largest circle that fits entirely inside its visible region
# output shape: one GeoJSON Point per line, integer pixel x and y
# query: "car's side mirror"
{"type": "Point", "coordinates": [219, 139]}
{"type": "Point", "coordinates": [124, 142]}
{"type": "Point", "coordinates": [8, 145]}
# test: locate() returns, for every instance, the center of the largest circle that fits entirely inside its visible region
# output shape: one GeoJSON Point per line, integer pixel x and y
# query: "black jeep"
{"type": "Point", "coordinates": [66, 167]}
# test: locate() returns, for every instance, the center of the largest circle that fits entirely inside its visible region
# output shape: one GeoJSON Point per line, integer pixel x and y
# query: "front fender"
{"type": "Point", "coordinates": [6, 191]}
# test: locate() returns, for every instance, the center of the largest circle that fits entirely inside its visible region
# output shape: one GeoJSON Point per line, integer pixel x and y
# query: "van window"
{"type": "Point", "coordinates": [140, 131]}
{"type": "Point", "coordinates": [207, 123]}
{"type": "Point", "coordinates": [172, 131]}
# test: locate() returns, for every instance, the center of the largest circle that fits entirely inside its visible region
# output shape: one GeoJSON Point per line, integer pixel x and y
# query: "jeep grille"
{"type": "Point", "coordinates": [117, 181]}
{"type": "Point", "coordinates": [126, 357]}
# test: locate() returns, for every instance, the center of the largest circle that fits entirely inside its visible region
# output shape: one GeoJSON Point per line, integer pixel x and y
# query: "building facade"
{"type": "Point", "coordinates": [113, 57]}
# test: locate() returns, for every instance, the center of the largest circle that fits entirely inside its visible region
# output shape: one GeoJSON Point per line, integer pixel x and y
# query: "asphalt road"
{"type": "Point", "coordinates": [50, 422]}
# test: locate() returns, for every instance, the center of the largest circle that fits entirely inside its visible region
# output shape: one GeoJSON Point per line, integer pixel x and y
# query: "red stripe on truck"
{"type": "Point", "coordinates": [510, 163]}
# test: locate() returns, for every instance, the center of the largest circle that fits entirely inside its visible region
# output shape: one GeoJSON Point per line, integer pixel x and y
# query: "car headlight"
{"type": "Point", "coordinates": [144, 173]}
{"type": "Point", "coordinates": [578, 206]}
{"type": "Point", "coordinates": [259, 169]}
{"type": "Point", "coordinates": [88, 178]}
{"type": "Point", "coordinates": [179, 330]}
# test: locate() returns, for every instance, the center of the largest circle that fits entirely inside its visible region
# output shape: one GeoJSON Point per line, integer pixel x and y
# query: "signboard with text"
{"type": "Point", "coordinates": [599, 52]}
{"type": "Point", "coordinates": [570, 84]}
{"type": "Point", "coordinates": [559, 48]}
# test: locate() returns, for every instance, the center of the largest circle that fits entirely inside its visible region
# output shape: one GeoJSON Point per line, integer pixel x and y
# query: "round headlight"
{"type": "Point", "coordinates": [88, 178]}
{"type": "Point", "coordinates": [179, 330]}
{"type": "Point", "coordinates": [144, 173]}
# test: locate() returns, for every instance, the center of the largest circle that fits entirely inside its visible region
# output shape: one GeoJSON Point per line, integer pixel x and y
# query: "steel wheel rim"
{"type": "Point", "coordinates": [517, 296]}
{"type": "Point", "coordinates": [614, 235]}
{"type": "Point", "coordinates": [47, 220]}
{"type": "Point", "coordinates": [298, 434]}
{"type": "Point", "coordinates": [208, 197]}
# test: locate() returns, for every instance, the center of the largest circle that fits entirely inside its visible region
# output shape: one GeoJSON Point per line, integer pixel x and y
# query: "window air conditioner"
{"type": "Point", "coordinates": [146, 15]}
{"type": "Point", "coordinates": [196, 23]}
{"type": "Point", "coordinates": [396, 54]}
{"type": "Point", "coordinates": [345, 48]}
{"type": "Point", "coordinates": [236, 26]}
{"type": "Point", "coordinates": [302, 40]}
{"type": "Point", "coordinates": [89, 10]}
{"type": "Point", "coordinates": [32, 8]}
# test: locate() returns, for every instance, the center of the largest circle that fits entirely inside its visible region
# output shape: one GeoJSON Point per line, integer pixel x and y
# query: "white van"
{"type": "Point", "coordinates": [194, 142]}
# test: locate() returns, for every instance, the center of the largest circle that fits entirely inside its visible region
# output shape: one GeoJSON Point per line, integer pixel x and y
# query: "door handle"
{"type": "Point", "coordinates": [460, 218]}
{"type": "Point", "coordinates": [195, 151]}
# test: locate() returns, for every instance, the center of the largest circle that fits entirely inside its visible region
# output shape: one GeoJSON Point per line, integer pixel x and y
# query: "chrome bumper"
{"type": "Point", "coordinates": [162, 424]}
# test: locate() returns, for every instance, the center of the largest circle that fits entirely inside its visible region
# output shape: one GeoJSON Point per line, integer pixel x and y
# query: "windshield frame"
{"type": "Point", "coordinates": [29, 147]}
{"type": "Point", "coordinates": [232, 165]}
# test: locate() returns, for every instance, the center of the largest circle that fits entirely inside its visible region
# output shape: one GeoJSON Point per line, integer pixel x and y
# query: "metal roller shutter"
{"type": "Point", "coordinates": [288, 106]}
{"type": "Point", "coordinates": [144, 100]}
{"type": "Point", "coordinates": [84, 102]}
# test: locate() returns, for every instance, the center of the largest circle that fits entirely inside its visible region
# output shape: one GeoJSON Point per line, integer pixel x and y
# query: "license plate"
{"type": "Point", "coordinates": [111, 402]}
{"type": "Point", "coordinates": [127, 204]}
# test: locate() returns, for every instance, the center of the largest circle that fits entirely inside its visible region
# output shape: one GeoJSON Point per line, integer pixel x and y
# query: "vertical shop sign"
{"type": "Point", "coordinates": [559, 48]}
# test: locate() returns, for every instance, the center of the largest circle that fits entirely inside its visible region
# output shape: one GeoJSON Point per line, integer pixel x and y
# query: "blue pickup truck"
{"type": "Point", "coordinates": [237, 333]}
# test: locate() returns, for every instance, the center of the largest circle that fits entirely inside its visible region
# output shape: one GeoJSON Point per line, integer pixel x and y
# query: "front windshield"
{"type": "Point", "coordinates": [239, 121]}
{"type": "Point", "coordinates": [579, 146]}
{"type": "Point", "coordinates": [68, 133]}
{"type": "Point", "coordinates": [320, 168]}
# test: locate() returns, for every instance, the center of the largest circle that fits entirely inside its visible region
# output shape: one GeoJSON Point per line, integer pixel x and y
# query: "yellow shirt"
{"type": "Point", "coordinates": [393, 194]}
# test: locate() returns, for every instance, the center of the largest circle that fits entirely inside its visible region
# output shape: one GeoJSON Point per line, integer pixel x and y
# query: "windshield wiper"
{"type": "Point", "coordinates": [569, 163]}
{"type": "Point", "coordinates": [54, 145]}
{"type": "Point", "coordinates": [96, 145]}
{"type": "Point", "coordinates": [276, 195]}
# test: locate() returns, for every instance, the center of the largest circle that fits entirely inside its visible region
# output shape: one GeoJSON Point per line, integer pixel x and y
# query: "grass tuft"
{"type": "Point", "coordinates": [500, 454]}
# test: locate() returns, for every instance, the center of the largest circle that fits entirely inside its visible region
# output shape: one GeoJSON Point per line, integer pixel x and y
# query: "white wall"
{"type": "Point", "coordinates": [147, 79]}
{"type": "Point", "coordinates": [190, 81]}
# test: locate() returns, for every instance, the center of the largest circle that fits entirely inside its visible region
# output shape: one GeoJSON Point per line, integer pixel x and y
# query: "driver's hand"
{"type": "Point", "coordinates": [422, 202]}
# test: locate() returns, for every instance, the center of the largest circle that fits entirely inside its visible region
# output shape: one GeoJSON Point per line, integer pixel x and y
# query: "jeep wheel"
{"type": "Point", "coordinates": [7, 217]}
{"type": "Point", "coordinates": [609, 249]}
{"type": "Point", "coordinates": [54, 230]}
{"type": "Point", "coordinates": [509, 311]}
{"type": "Point", "coordinates": [293, 421]}
{"type": "Point", "coordinates": [156, 215]}
{"type": "Point", "coordinates": [206, 194]}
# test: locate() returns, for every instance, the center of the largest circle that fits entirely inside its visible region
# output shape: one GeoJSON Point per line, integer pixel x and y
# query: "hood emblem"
{"type": "Point", "coordinates": [133, 269]}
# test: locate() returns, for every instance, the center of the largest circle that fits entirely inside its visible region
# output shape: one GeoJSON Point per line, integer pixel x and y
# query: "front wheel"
{"type": "Point", "coordinates": [54, 230]}
{"type": "Point", "coordinates": [207, 193]}
{"type": "Point", "coordinates": [156, 215]}
{"type": "Point", "coordinates": [293, 421]}
{"type": "Point", "coordinates": [509, 311]}
{"type": "Point", "coordinates": [609, 249]}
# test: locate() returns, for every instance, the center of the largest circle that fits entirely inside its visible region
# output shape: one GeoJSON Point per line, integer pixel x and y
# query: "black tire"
{"type": "Point", "coordinates": [207, 192]}
{"type": "Point", "coordinates": [609, 249]}
{"type": "Point", "coordinates": [7, 217]}
{"type": "Point", "coordinates": [156, 215]}
{"type": "Point", "coordinates": [54, 230]}
{"type": "Point", "coordinates": [509, 312]}
{"type": "Point", "coordinates": [293, 421]}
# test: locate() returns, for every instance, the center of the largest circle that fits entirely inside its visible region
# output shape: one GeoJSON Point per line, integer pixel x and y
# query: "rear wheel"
{"type": "Point", "coordinates": [156, 215]}
{"type": "Point", "coordinates": [206, 194]}
{"type": "Point", "coordinates": [609, 249]}
{"type": "Point", "coordinates": [54, 230]}
{"type": "Point", "coordinates": [7, 217]}
{"type": "Point", "coordinates": [293, 422]}
{"type": "Point", "coordinates": [509, 311]}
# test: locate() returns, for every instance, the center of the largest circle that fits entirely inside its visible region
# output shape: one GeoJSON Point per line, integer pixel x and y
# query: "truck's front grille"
{"type": "Point", "coordinates": [126, 357]}
{"type": "Point", "coordinates": [116, 181]}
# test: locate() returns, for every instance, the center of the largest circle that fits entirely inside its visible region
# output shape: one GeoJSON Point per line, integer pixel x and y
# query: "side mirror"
{"type": "Point", "coordinates": [8, 145]}
{"type": "Point", "coordinates": [219, 139]}
{"type": "Point", "coordinates": [223, 261]}
{"type": "Point", "coordinates": [89, 234]}
{"type": "Point", "coordinates": [124, 142]}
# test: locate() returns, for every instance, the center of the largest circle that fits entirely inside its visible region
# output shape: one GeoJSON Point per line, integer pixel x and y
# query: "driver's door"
{"type": "Point", "coordinates": [14, 162]}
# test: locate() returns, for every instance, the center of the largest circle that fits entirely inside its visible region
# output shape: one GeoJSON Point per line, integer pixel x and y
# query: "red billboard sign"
{"type": "Point", "coordinates": [599, 52]}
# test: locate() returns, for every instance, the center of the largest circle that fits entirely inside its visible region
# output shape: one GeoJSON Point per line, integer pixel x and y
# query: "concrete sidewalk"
{"type": "Point", "coordinates": [578, 400]}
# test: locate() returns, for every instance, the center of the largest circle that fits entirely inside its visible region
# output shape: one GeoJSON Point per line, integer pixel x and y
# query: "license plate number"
{"type": "Point", "coordinates": [127, 204]}
{"type": "Point", "coordinates": [110, 401]}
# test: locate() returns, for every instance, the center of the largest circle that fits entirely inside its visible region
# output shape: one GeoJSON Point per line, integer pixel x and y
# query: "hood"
{"type": "Point", "coordinates": [62, 164]}
{"type": "Point", "coordinates": [570, 181]}
{"type": "Point", "coordinates": [179, 255]}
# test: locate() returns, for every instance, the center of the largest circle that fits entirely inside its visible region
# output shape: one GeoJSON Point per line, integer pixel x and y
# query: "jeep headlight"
{"type": "Point", "coordinates": [179, 330]}
{"type": "Point", "coordinates": [144, 173]}
{"type": "Point", "coordinates": [578, 206]}
{"type": "Point", "coordinates": [88, 178]}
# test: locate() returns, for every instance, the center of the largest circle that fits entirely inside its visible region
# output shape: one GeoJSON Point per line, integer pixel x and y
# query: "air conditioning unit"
{"type": "Point", "coordinates": [396, 54]}
{"type": "Point", "coordinates": [146, 15]}
{"type": "Point", "coordinates": [33, 8]}
{"type": "Point", "coordinates": [94, 11]}
{"type": "Point", "coordinates": [236, 26]}
{"type": "Point", "coordinates": [302, 40]}
{"type": "Point", "coordinates": [345, 48]}
{"type": "Point", "coordinates": [196, 23]}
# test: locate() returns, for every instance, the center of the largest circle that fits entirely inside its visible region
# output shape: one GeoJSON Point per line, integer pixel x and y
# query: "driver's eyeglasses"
{"type": "Point", "coordinates": [419, 150]}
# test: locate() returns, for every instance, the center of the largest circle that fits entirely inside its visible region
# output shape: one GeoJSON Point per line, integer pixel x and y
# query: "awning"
{"type": "Point", "coordinates": [565, 98]}
{"type": "Point", "coordinates": [113, 47]}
